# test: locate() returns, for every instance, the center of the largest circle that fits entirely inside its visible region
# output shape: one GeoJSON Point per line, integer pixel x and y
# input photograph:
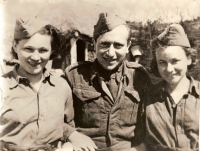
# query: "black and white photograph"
{"type": "Point", "coordinates": [99, 75]}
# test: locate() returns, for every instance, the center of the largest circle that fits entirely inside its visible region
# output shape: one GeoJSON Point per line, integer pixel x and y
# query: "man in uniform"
{"type": "Point", "coordinates": [108, 93]}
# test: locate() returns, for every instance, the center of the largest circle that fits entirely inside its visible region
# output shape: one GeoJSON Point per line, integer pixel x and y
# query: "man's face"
{"type": "Point", "coordinates": [111, 47]}
{"type": "Point", "coordinates": [33, 53]}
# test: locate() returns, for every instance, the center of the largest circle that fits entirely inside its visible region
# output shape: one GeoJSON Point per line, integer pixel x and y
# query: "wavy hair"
{"type": "Point", "coordinates": [188, 51]}
{"type": "Point", "coordinates": [55, 35]}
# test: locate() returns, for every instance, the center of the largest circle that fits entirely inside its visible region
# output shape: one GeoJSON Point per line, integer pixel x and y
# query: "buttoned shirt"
{"type": "Point", "coordinates": [171, 126]}
{"type": "Point", "coordinates": [31, 118]}
{"type": "Point", "coordinates": [112, 120]}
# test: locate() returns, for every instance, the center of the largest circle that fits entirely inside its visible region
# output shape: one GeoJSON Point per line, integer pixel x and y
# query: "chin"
{"type": "Point", "coordinates": [173, 81]}
{"type": "Point", "coordinates": [35, 72]}
{"type": "Point", "coordinates": [110, 67]}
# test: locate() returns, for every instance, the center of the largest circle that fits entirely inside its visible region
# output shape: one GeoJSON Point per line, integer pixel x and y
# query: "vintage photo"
{"type": "Point", "coordinates": [99, 75]}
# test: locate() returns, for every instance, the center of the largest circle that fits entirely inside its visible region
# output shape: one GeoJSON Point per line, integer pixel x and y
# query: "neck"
{"type": "Point", "coordinates": [182, 85]}
{"type": "Point", "coordinates": [106, 73]}
{"type": "Point", "coordinates": [33, 78]}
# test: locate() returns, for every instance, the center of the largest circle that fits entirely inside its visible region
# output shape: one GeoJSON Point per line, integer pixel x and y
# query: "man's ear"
{"type": "Point", "coordinates": [14, 45]}
{"type": "Point", "coordinates": [93, 41]}
{"type": "Point", "coordinates": [128, 45]}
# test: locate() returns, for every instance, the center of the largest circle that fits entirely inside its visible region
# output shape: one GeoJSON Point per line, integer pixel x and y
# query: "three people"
{"type": "Point", "coordinates": [108, 96]}
{"type": "Point", "coordinates": [172, 109]}
{"type": "Point", "coordinates": [108, 93]}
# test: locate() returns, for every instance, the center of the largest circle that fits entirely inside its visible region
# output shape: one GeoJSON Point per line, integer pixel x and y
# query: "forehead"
{"type": "Point", "coordinates": [118, 34]}
{"type": "Point", "coordinates": [171, 52]}
{"type": "Point", "coordinates": [36, 41]}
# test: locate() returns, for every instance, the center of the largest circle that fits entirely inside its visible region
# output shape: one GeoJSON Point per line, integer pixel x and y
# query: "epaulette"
{"type": "Point", "coordinates": [77, 64]}
{"type": "Point", "coordinates": [139, 67]}
{"type": "Point", "coordinates": [133, 64]}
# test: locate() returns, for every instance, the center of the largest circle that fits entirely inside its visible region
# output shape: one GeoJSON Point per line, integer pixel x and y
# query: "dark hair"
{"type": "Point", "coordinates": [51, 31]}
{"type": "Point", "coordinates": [188, 51]}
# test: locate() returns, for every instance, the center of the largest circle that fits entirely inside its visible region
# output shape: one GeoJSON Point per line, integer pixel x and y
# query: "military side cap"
{"type": "Point", "coordinates": [174, 35]}
{"type": "Point", "coordinates": [106, 23]}
{"type": "Point", "coordinates": [25, 29]}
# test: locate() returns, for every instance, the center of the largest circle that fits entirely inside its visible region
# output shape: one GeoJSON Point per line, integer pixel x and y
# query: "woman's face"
{"type": "Point", "coordinates": [33, 53]}
{"type": "Point", "coordinates": [172, 63]}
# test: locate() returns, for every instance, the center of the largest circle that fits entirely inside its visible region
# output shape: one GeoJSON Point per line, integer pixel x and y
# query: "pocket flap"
{"type": "Point", "coordinates": [86, 94]}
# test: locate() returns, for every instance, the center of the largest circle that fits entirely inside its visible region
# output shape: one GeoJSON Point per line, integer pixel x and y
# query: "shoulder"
{"type": "Point", "coordinates": [136, 66]}
{"type": "Point", "coordinates": [6, 79]}
{"type": "Point", "coordinates": [58, 79]}
{"type": "Point", "coordinates": [140, 71]}
{"type": "Point", "coordinates": [132, 64]}
{"type": "Point", "coordinates": [77, 65]}
{"type": "Point", "coordinates": [7, 75]}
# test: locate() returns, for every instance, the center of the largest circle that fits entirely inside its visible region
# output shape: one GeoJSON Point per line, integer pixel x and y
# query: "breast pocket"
{"type": "Point", "coordinates": [89, 107]}
{"type": "Point", "coordinates": [130, 106]}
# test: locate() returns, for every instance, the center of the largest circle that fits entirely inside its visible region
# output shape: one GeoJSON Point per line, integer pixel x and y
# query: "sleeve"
{"type": "Point", "coordinates": [143, 82]}
{"type": "Point", "coordinates": [69, 126]}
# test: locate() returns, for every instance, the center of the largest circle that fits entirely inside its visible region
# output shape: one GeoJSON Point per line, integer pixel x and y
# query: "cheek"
{"type": "Point", "coordinates": [161, 69]}
{"type": "Point", "coordinates": [22, 55]}
{"type": "Point", "coordinates": [121, 53]}
{"type": "Point", "coordinates": [46, 56]}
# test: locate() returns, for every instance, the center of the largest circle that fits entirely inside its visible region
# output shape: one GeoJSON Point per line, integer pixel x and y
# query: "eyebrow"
{"type": "Point", "coordinates": [35, 48]}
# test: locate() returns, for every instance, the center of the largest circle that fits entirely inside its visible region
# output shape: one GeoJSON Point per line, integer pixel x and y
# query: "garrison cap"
{"type": "Point", "coordinates": [174, 35]}
{"type": "Point", "coordinates": [26, 29]}
{"type": "Point", "coordinates": [106, 23]}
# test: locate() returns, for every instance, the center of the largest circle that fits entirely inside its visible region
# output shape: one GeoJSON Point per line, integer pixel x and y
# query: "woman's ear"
{"type": "Point", "coordinates": [189, 62]}
{"type": "Point", "coordinates": [14, 45]}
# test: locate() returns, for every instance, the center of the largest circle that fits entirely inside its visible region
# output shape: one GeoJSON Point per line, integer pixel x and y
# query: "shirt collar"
{"type": "Point", "coordinates": [16, 78]}
{"type": "Point", "coordinates": [194, 86]}
{"type": "Point", "coordinates": [161, 87]}
{"type": "Point", "coordinates": [94, 71]}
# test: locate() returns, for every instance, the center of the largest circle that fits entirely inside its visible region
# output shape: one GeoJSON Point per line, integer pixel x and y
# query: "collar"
{"type": "Point", "coordinates": [16, 78]}
{"type": "Point", "coordinates": [162, 87]}
{"type": "Point", "coordinates": [194, 86]}
{"type": "Point", "coordinates": [118, 75]}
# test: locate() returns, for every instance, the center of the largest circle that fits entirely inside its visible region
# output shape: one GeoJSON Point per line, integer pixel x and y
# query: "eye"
{"type": "Point", "coordinates": [118, 45]}
{"type": "Point", "coordinates": [28, 49]}
{"type": "Point", "coordinates": [162, 63]}
{"type": "Point", "coordinates": [174, 61]}
{"type": "Point", "coordinates": [43, 50]}
{"type": "Point", "coordinates": [105, 44]}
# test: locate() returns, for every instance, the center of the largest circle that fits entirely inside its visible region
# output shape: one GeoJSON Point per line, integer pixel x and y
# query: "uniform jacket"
{"type": "Point", "coordinates": [107, 121]}
{"type": "Point", "coordinates": [170, 126]}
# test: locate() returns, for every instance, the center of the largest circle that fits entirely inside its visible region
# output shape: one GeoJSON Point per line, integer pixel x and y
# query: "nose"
{"type": "Point", "coordinates": [111, 51]}
{"type": "Point", "coordinates": [169, 68]}
{"type": "Point", "coordinates": [35, 55]}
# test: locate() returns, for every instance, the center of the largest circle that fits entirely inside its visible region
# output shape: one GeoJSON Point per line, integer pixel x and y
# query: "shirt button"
{"type": "Point", "coordinates": [174, 105]}
{"type": "Point", "coordinates": [179, 127]}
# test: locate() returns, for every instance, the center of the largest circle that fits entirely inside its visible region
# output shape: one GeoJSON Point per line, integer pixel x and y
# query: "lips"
{"type": "Point", "coordinates": [34, 64]}
{"type": "Point", "coordinates": [170, 76]}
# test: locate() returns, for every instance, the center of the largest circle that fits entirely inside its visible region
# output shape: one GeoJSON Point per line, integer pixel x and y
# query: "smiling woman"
{"type": "Point", "coordinates": [32, 115]}
{"type": "Point", "coordinates": [172, 109]}
{"type": "Point", "coordinates": [33, 55]}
